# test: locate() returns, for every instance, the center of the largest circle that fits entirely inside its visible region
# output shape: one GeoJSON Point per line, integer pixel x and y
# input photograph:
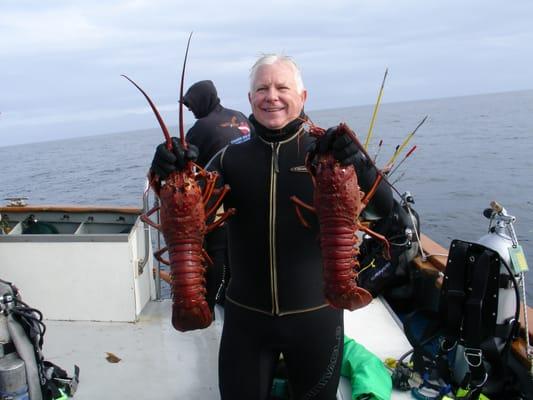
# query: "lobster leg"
{"type": "Point", "coordinates": [372, 190]}
{"type": "Point", "coordinates": [210, 179]}
{"type": "Point", "coordinates": [158, 256]}
{"type": "Point", "coordinates": [206, 257]}
{"type": "Point", "coordinates": [218, 201]}
{"type": "Point", "coordinates": [222, 218]}
{"type": "Point", "coordinates": [208, 192]}
{"type": "Point", "coordinates": [377, 236]}
{"type": "Point", "coordinates": [145, 219]}
{"type": "Point", "coordinates": [299, 203]}
{"type": "Point", "coordinates": [152, 210]}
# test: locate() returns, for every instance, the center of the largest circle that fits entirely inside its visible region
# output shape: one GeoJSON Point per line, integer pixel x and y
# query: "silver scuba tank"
{"type": "Point", "coordinates": [24, 373]}
{"type": "Point", "coordinates": [13, 378]}
{"type": "Point", "coordinates": [501, 238]}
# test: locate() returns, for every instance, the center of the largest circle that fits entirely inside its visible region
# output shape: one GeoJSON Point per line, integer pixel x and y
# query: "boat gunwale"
{"type": "Point", "coordinates": [72, 209]}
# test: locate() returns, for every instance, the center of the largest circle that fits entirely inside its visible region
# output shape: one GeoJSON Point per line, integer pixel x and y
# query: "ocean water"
{"type": "Point", "coordinates": [471, 150]}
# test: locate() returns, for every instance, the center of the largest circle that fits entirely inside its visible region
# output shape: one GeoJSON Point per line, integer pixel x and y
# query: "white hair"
{"type": "Point", "coordinates": [269, 59]}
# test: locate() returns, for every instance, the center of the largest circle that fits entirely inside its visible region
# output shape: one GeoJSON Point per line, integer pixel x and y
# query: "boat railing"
{"type": "Point", "coordinates": [146, 209]}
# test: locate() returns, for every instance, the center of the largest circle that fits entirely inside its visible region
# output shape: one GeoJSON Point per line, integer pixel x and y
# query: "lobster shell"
{"type": "Point", "coordinates": [338, 203]}
{"type": "Point", "coordinates": [182, 213]}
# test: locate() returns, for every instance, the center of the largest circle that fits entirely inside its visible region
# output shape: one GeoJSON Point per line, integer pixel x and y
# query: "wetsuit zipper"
{"type": "Point", "coordinates": [274, 170]}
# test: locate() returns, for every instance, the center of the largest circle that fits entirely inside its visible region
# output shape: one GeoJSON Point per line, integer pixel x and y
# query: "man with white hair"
{"type": "Point", "coordinates": [275, 302]}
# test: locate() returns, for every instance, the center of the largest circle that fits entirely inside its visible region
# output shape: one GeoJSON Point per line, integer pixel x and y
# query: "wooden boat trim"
{"type": "Point", "coordinates": [436, 256]}
{"type": "Point", "coordinates": [71, 209]}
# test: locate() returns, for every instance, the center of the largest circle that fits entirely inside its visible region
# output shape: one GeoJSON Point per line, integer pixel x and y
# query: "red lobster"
{"type": "Point", "coordinates": [184, 211]}
{"type": "Point", "coordinates": [338, 202]}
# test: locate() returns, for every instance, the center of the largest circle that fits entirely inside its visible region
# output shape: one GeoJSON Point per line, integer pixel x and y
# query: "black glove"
{"type": "Point", "coordinates": [343, 147]}
{"type": "Point", "coordinates": [166, 161]}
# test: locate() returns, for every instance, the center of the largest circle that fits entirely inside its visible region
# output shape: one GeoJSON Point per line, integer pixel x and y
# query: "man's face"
{"type": "Point", "coordinates": [274, 96]}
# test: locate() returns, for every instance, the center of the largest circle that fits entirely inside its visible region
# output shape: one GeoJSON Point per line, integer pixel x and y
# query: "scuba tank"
{"type": "Point", "coordinates": [501, 238]}
{"type": "Point", "coordinates": [13, 378]}
{"type": "Point", "coordinates": [24, 373]}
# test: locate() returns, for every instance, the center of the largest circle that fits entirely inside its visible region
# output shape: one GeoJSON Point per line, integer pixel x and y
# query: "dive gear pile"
{"type": "Point", "coordinates": [24, 373]}
{"type": "Point", "coordinates": [380, 275]}
{"type": "Point", "coordinates": [462, 350]}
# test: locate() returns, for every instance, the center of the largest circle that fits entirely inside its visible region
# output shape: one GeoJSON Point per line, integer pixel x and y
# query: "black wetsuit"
{"type": "Point", "coordinates": [215, 128]}
{"type": "Point", "coordinates": [274, 301]}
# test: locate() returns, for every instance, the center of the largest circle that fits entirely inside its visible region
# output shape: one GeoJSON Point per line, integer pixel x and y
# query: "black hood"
{"type": "Point", "coordinates": [201, 98]}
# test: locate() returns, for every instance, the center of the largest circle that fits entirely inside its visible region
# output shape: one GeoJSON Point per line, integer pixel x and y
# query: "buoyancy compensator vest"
{"type": "Point", "coordinates": [24, 373]}
{"type": "Point", "coordinates": [480, 307]}
{"type": "Point", "coordinates": [466, 343]}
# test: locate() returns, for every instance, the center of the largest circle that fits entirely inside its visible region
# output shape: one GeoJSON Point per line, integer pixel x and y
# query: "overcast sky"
{"type": "Point", "coordinates": [61, 60]}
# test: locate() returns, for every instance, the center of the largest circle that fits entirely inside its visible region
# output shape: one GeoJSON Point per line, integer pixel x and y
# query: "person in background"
{"type": "Point", "coordinates": [215, 128]}
{"type": "Point", "coordinates": [275, 302]}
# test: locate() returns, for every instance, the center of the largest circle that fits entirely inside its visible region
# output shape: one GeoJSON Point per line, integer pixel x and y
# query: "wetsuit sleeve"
{"type": "Point", "coordinates": [381, 203]}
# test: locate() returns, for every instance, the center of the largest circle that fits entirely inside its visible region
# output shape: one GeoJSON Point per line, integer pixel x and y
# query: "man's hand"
{"type": "Point", "coordinates": [342, 146]}
{"type": "Point", "coordinates": [165, 161]}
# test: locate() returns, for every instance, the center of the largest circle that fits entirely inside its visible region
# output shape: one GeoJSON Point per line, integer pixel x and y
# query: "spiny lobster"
{"type": "Point", "coordinates": [184, 211]}
{"type": "Point", "coordinates": [338, 202]}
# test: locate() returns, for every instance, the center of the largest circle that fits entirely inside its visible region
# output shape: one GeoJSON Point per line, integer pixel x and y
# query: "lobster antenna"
{"type": "Point", "coordinates": [182, 130]}
{"type": "Point", "coordinates": [157, 115]}
{"type": "Point", "coordinates": [376, 107]}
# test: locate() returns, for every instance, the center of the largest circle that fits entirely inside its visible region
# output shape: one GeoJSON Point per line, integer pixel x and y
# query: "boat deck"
{"type": "Point", "coordinates": [157, 362]}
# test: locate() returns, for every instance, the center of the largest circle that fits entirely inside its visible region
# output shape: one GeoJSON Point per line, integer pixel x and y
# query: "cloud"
{"type": "Point", "coordinates": [62, 59]}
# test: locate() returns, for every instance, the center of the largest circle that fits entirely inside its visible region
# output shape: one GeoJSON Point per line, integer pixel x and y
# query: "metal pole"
{"type": "Point", "coordinates": [158, 270]}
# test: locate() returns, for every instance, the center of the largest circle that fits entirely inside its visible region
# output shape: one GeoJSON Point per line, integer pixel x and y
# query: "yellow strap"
{"type": "Point", "coordinates": [464, 392]}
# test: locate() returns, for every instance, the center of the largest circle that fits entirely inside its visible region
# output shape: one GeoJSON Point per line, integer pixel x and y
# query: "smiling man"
{"type": "Point", "coordinates": [275, 302]}
{"type": "Point", "coordinates": [277, 94]}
